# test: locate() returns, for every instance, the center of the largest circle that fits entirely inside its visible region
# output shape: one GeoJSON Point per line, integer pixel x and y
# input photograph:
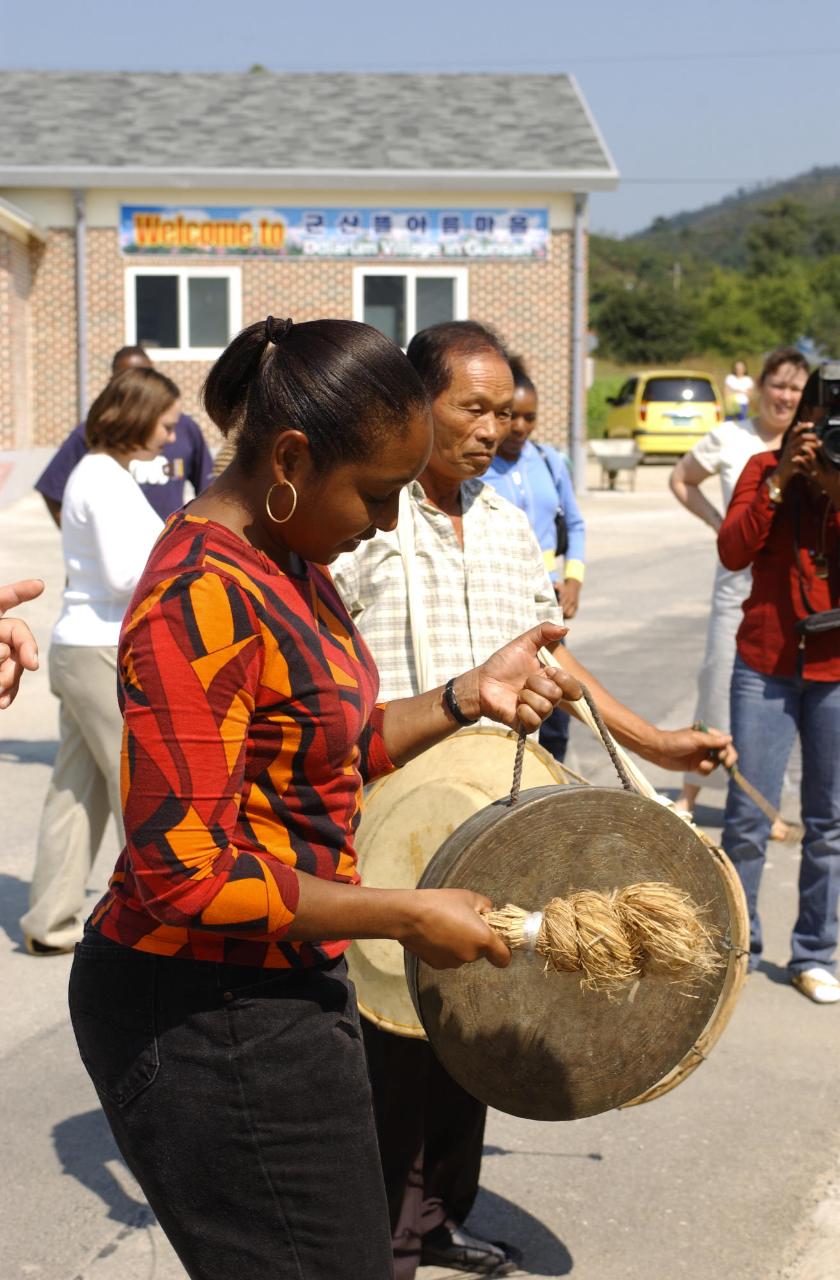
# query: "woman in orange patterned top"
{"type": "Point", "coordinates": [209, 996]}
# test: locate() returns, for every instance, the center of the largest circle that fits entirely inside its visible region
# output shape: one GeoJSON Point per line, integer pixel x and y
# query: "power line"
{"type": "Point", "coordinates": [689, 182]}
{"type": "Point", "coordinates": [716, 56]}
{"type": "Point", "coordinates": [553, 67]}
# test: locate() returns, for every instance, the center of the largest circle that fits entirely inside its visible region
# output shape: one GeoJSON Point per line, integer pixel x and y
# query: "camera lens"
{"type": "Point", "coordinates": [830, 440]}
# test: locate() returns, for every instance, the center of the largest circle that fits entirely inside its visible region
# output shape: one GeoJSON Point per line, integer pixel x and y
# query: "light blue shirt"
{"type": "Point", "coordinates": [538, 482]}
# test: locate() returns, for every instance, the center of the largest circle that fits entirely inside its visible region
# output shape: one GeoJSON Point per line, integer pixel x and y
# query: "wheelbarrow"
{"type": "Point", "coordinates": [615, 456]}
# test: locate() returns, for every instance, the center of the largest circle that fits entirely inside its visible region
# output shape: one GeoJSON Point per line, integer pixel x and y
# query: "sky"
{"type": "Point", "coordinates": [693, 102]}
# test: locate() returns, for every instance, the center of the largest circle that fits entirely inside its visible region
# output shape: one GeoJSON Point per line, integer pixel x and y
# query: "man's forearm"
{"type": "Point", "coordinates": [631, 730]}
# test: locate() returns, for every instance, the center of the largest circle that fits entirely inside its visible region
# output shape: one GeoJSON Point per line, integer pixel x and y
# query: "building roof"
{"type": "Point", "coordinates": [530, 130]}
{"type": "Point", "coordinates": [18, 223]}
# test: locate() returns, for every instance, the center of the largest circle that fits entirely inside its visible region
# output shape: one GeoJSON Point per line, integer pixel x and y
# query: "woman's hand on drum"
{"type": "Point", "coordinates": [694, 750]}
{"type": "Point", "coordinates": [445, 928]}
{"type": "Point", "coordinates": [514, 688]}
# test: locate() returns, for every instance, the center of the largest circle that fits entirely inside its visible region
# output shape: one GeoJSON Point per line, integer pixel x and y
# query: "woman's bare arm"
{"type": "Point", "coordinates": [442, 926]}
{"type": "Point", "coordinates": [685, 481]}
{"type": "Point", "coordinates": [511, 687]}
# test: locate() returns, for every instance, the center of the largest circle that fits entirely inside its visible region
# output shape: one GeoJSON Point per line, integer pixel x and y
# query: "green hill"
{"type": "Point", "coordinates": [720, 232]}
{"type": "Point", "coordinates": [759, 269]}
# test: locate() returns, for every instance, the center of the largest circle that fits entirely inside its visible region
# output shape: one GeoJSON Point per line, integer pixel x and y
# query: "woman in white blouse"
{"type": "Point", "coordinates": [107, 531]}
{"type": "Point", "coordinates": [725, 452]}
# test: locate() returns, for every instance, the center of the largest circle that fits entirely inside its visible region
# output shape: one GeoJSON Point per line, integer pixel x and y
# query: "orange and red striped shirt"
{"type": "Point", "coordinates": [250, 727]}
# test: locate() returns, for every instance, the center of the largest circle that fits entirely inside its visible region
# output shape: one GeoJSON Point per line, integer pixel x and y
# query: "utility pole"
{"type": "Point", "coordinates": [578, 424]}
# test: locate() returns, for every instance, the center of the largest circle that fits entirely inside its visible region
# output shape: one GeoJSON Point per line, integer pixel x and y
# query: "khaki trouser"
{"type": "Point", "coordinates": [84, 787]}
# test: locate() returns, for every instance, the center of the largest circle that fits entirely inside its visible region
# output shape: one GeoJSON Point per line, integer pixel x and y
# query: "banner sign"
{"type": "Point", "coordinates": [235, 231]}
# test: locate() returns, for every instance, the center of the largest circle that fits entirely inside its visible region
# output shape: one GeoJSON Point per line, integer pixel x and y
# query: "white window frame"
{"type": "Point", "coordinates": [183, 352]}
{"type": "Point", "coordinates": [460, 275]}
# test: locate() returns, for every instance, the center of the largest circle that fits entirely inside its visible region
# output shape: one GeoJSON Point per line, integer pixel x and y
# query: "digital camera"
{"type": "Point", "coordinates": [827, 426]}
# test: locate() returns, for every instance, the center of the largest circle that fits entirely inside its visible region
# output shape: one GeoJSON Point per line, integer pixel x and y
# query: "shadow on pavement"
{"type": "Point", "coordinates": [84, 1146]}
{"type": "Point", "coordinates": [28, 750]}
{"type": "Point", "coordinates": [706, 815]}
{"type": "Point", "coordinates": [775, 972]}
{"type": "Point", "coordinates": [490, 1150]}
{"type": "Point", "coordinates": [14, 901]}
{"type": "Point", "coordinates": [495, 1218]}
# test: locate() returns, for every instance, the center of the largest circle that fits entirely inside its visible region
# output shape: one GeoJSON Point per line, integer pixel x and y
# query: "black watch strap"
{"type": "Point", "coordinates": [453, 706]}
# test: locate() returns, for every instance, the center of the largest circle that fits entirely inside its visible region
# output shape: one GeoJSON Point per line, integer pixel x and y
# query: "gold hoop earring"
{"type": "Point", "coordinates": [270, 513]}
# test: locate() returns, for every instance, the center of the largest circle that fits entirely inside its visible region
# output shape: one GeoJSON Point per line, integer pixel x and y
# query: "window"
{"type": "Point", "coordinates": [400, 300]}
{"type": "Point", "coordinates": [672, 390]}
{"type": "Point", "coordinates": [182, 313]}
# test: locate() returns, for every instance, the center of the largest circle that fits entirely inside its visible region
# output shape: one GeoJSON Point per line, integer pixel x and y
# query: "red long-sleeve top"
{"type": "Point", "coordinates": [760, 533]}
{"type": "Point", "coordinates": [249, 702]}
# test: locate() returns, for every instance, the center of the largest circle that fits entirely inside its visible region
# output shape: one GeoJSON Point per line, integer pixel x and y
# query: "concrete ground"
{"type": "Point", "coordinates": [735, 1174]}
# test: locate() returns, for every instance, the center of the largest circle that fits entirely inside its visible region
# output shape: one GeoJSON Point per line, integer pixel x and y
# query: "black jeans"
{"type": "Point", "coordinates": [240, 1100]}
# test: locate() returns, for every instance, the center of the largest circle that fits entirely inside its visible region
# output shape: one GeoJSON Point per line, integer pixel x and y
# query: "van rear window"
{"type": "Point", "coordinates": [679, 390]}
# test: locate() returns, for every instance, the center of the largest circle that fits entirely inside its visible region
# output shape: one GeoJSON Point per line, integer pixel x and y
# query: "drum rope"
{"type": "Point", "coordinates": [606, 738]}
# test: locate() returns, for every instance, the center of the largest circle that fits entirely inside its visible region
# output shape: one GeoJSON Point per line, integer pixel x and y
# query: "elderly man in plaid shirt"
{"type": "Point", "coordinates": [481, 580]}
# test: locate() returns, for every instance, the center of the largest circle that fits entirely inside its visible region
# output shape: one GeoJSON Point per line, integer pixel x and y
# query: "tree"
{"type": "Point", "coordinates": [784, 303]}
{"type": "Point", "coordinates": [645, 326]}
{"type": "Point", "coordinates": [781, 233]}
{"type": "Point", "coordinates": [824, 286]}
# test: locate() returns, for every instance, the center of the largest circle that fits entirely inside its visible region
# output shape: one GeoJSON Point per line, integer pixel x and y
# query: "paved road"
{"type": "Point", "coordinates": [733, 1175]}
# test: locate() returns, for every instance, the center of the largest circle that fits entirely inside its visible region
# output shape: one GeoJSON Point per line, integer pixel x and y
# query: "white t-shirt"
{"type": "Point", "coordinates": [726, 450]}
{"type": "Point", "coordinates": [739, 388]}
{"type": "Point", "coordinates": [107, 531]}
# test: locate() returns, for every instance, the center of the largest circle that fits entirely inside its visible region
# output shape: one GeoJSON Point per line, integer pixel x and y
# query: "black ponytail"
{"type": "Point", "coordinates": [342, 383]}
{"type": "Point", "coordinates": [521, 377]}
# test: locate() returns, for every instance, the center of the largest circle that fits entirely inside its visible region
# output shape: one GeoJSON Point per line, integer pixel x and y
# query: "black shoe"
{"type": "Point", "coordinates": [36, 948]}
{"type": "Point", "coordinates": [451, 1246]}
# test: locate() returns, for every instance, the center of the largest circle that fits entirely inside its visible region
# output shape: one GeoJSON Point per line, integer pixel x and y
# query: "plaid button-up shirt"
{"type": "Point", "coordinates": [476, 598]}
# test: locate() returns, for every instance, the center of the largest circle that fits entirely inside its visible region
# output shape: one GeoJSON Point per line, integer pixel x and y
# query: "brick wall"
{"type": "Point", "coordinates": [303, 291]}
{"type": "Point", "coordinates": [528, 302]}
{"type": "Point", "coordinates": [52, 356]}
{"type": "Point", "coordinates": [16, 272]}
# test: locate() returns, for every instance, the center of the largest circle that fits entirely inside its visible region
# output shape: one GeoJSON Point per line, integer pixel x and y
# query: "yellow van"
{"type": "Point", "coordinates": [666, 411]}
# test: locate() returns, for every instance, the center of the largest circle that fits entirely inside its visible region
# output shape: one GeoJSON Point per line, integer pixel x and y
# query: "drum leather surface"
{"type": "Point", "coordinates": [407, 817]}
{"type": "Point", "coordinates": [535, 1044]}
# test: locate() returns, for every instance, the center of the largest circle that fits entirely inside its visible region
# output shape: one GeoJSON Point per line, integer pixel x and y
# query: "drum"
{"type": "Point", "coordinates": [736, 975]}
{"type": "Point", "coordinates": [536, 1044]}
{"type": "Point", "coordinates": [407, 816]}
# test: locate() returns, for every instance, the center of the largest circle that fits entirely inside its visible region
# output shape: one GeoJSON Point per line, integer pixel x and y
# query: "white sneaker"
{"type": "Point", "coordinates": [818, 985]}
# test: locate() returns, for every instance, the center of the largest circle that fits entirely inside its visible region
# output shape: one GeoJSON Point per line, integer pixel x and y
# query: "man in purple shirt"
{"type": "Point", "coordinates": [162, 481]}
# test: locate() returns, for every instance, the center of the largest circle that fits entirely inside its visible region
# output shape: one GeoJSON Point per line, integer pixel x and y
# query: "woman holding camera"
{"type": "Point", "coordinates": [784, 520]}
{"type": "Point", "coordinates": [107, 531]}
{"type": "Point", "coordinates": [725, 452]}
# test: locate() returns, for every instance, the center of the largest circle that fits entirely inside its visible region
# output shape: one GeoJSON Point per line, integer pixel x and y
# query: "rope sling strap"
{"type": "Point", "coordinates": [608, 938]}
{"type": "Point", "coordinates": [611, 938]}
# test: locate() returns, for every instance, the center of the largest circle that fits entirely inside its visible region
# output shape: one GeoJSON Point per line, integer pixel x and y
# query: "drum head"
{"type": "Point", "coordinates": [736, 976]}
{"type": "Point", "coordinates": [407, 816]}
{"type": "Point", "coordinates": [535, 1044]}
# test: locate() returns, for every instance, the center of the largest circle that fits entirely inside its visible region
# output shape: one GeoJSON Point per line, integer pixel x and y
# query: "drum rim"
{"type": "Point", "coordinates": [736, 976]}
{"type": "Point", "coordinates": [414, 1031]}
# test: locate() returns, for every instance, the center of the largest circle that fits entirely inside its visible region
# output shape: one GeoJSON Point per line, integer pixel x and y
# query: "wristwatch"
{"type": "Point", "coordinates": [774, 491]}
